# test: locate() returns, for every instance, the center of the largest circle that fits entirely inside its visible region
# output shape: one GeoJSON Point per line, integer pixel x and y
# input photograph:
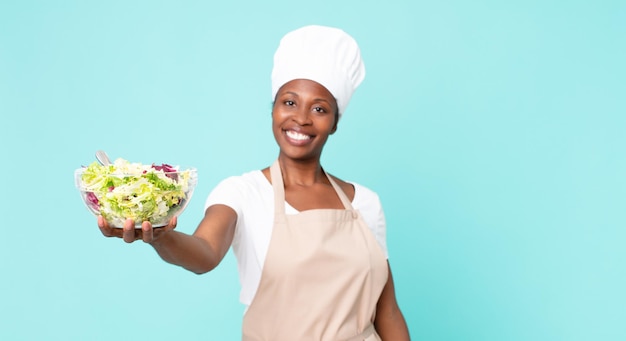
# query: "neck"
{"type": "Point", "coordinates": [301, 172]}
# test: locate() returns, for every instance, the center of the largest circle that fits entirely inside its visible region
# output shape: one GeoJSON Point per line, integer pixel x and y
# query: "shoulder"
{"type": "Point", "coordinates": [357, 191]}
{"type": "Point", "coordinates": [235, 191]}
{"type": "Point", "coordinates": [366, 198]}
{"type": "Point", "coordinates": [250, 179]}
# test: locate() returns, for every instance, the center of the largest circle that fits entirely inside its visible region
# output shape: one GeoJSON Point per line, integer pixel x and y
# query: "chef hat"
{"type": "Point", "coordinates": [326, 55]}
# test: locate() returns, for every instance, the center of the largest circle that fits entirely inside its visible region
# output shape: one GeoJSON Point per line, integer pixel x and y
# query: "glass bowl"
{"type": "Point", "coordinates": [146, 193]}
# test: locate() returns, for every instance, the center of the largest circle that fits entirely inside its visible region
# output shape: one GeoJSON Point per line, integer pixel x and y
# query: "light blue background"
{"type": "Point", "coordinates": [493, 132]}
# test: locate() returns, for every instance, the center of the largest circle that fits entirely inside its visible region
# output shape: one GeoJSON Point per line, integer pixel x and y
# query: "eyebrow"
{"type": "Point", "coordinates": [314, 100]}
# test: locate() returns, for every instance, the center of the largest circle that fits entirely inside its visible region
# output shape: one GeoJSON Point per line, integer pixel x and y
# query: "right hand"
{"type": "Point", "coordinates": [130, 234]}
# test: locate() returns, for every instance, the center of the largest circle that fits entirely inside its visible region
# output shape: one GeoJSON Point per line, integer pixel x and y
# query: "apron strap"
{"type": "Point", "coordinates": [342, 196]}
{"type": "Point", "coordinates": [279, 190]}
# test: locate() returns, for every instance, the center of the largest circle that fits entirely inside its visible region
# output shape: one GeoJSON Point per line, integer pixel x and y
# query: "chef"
{"type": "Point", "coordinates": [310, 247]}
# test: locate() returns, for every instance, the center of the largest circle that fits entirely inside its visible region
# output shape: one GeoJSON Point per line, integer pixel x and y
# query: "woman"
{"type": "Point", "coordinates": [310, 247]}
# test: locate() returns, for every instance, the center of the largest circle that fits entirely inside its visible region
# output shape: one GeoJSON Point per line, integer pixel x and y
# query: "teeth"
{"type": "Point", "coordinates": [297, 136]}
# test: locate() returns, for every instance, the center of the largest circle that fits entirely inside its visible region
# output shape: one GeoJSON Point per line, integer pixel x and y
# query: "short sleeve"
{"type": "Point", "coordinates": [228, 192]}
{"type": "Point", "coordinates": [381, 229]}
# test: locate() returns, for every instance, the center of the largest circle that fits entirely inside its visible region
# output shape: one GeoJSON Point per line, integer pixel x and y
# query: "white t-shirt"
{"type": "Point", "coordinates": [251, 196]}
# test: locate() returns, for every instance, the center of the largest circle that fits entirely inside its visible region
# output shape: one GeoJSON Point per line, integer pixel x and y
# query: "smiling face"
{"type": "Point", "coordinates": [303, 116]}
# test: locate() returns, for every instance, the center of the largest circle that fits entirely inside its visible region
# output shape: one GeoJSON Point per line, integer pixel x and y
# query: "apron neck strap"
{"type": "Point", "coordinates": [279, 188]}
{"type": "Point", "coordinates": [342, 196]}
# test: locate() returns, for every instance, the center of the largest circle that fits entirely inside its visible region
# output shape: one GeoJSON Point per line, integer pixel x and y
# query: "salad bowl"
{"type": "Point", "coordinates": [122, 190]}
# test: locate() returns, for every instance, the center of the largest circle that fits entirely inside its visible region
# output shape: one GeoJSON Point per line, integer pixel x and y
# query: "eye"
{"type": "Point", "coordinates": [289, 103]}
{"type": "Point", "coordinates": [319, 109]}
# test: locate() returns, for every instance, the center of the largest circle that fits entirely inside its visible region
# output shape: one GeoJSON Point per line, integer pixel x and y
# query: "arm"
{"type": "Point", "coordinates": [199, 253]}
{"type": "Point", "coordinates": [389, 321]}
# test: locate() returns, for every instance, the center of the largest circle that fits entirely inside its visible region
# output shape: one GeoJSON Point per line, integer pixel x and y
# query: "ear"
{"type": "Point", "coordinates": [332, 131]}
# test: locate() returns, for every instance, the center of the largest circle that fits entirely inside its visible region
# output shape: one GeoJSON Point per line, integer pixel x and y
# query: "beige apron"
{"type": "Point", "coordinates": [322, 277]}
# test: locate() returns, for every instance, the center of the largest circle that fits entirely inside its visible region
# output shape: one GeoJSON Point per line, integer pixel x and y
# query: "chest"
{"type": "Point", "coordinates": [319, 196]}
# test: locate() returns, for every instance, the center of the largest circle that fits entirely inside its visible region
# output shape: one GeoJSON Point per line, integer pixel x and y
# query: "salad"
{"type": "Point", "coordinates": [124, 190]}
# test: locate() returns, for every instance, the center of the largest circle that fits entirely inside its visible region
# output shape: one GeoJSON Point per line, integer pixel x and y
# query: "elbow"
{"type": "Point", "coordinates": [201, 269]}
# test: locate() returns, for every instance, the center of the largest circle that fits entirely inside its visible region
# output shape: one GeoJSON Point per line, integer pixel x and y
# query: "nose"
{"type": "Point", "coordinates": [301, 116]}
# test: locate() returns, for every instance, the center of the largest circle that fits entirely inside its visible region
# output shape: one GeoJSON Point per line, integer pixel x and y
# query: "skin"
{"type": "Point", "coordinates": [304, 115]}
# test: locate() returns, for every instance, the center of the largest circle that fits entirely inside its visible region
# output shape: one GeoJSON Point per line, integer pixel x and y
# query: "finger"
{"type": "Point", "coordinates": [129, 231]}
{"type": "Point", "coordinates": [170, 226]}
{"type": "Point", "coordinates": [104, 227]}
{"type": "Point", "coordinates": [147, 232]}
{"type": "Point", "coordinates": [173, 223]}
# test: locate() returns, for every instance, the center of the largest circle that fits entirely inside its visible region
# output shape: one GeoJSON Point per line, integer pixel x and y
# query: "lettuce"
{"type": "Point", "coordinates": [132, 190]}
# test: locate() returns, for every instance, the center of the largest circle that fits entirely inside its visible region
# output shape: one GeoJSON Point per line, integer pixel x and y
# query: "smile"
{"type": "Point", "coordinates": [297, 136]}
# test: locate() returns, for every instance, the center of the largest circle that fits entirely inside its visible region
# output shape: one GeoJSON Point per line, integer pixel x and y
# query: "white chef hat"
{"type": "Point", "coordinates": [326, 55]}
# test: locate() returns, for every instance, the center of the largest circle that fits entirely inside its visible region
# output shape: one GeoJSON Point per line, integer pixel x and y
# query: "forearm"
{"type": "Point", "coordinates": [205, 249]}
{"type": "Point", "coordinates": [187, 251]}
